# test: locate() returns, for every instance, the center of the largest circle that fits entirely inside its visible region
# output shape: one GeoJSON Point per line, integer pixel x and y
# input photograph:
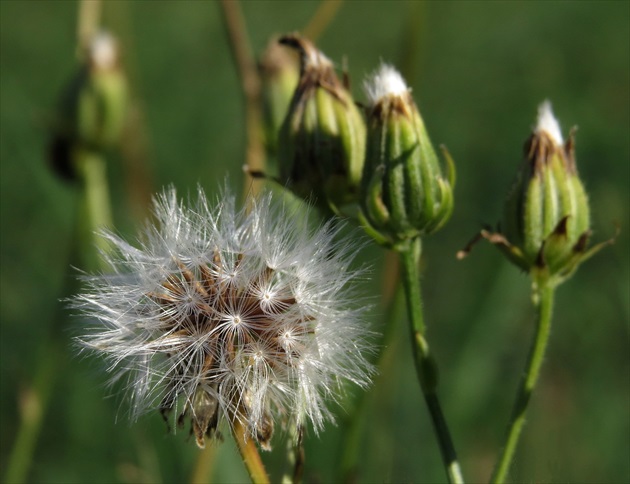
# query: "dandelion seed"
{"type": "Point", "coordinates": [222, 314]}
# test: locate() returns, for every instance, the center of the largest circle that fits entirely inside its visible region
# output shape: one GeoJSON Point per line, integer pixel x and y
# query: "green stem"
{"type": "Point", "coordinates": [33, 404]}
{"type": "Point", "coordinates": [295, 455]}
{"type": "Point", "coordinates": [204, 464]}
{"type": "Point", "coordinates": [249, 452]}
{"type": "Point", "coordinates": [425, 365]}
{"type": "Point", "coordinates": [543, 298]}
{"type": "Point", "coordinates": [95, 208]}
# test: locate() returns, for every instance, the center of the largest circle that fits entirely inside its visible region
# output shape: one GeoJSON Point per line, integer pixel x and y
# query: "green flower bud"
{"type": "Point", "coordinates": [404, 193]}
{"type": "Point", "coordinates": [546, 215]}
{"type": "Point", "coordinates": [92, 110]}
{"type": "Point", "coordinates": [546, 218]}
{"type": "Point", "coordinates": [279, 72]}
{"type": "Point", "coordinates": [322, 141]}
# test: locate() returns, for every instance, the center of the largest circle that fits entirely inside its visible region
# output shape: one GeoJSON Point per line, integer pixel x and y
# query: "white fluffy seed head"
{"type": "Point", "coordinates": [227, 314]}
{"type": "Point", "coordinates": [383, 82]}
{"type": "Point", "coordinates": [548, 123]}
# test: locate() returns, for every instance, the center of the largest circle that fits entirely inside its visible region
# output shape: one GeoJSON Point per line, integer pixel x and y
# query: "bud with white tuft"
{"type": "Point", "coordinates": [545, 228]}
{"type": "Point", "coordinates": [404, 193]}
{"type": "Point", "coordinates": [93, 107]}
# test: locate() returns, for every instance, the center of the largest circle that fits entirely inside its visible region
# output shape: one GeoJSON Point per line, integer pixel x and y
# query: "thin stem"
{"type": "Point", "coordinates": [425, 366]}
{"type": "Point", "coordinates": [33, 404]}
{"type": "Point", "coordinates": [135, 142]}
{"type": "Point", "coordinates": [322, 17]}
{"type": "Point", "coordinates": [543, 298]}
{"type": "Point", "coordinates": [295, 456]}
{"type": "Point", "coordinates": [95, 208]}
{"type": "Point", "coordinates": [204, 464]}
{"type": "Point", "coordinates": [88, 23]}
{"type": "Point", "coordinates": [249, 453]}
{"type": "Point", "coordinates": [251, 86]}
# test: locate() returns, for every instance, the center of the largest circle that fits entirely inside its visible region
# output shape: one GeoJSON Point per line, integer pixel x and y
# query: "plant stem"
{"type": "Point", "coordinates": [322, 17]}
{"type": "Point", "coordinates": [95, 208]}
{"type": "Point", "coordinates": [88, 23]}
{"type": "Point", "coordinates": [204, 464]}
{"type": "Point", "coordinates": [543, 298]}
{"type": "Point", "coordinates": [249, 453]}
{"type": "Point", "coordinates": [234, 23]}
{"type": "Point", "coordinates": [425, 366]}
{"type": "Point", "coordinates": [33, 404]}
{"type": "Point", "coordinates": [295, 455]}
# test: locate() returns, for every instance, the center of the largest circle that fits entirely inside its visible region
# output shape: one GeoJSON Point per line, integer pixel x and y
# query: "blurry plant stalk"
{"type": "Point", "coordinates": [91, 118]}
{"type": "Point", "coordinates": [322, 140]}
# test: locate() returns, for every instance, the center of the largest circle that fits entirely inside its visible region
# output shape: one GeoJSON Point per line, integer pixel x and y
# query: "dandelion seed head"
{"type": "Point", "coordinates": [222, 314]}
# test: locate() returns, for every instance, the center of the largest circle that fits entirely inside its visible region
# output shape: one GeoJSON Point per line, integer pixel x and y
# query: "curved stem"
{"type": "Point", "coordinates": [425, 366]}
{"type": "Point", "coordinates": [249, 452]}
{"type": "Point", "coordinates": [32, 404]}
{"type": "Point", "coordinates": [543, 298]}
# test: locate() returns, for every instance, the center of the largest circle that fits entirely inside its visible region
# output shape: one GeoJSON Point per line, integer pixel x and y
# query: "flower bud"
{"type": "Point", "coordinates": [279, 72]}
{"type": "Point", "coordinates": [93, 108]}
{"type": "Point", "coordinates": [546, 215]}
{"type": "Point", "coordinates": [404, 193]}
{"type": "Point", "coordinates": [322, 141]}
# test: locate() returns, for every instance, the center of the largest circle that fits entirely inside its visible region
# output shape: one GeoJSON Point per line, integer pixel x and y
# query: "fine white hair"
{"type": "Point", "coordinates": [384, 81]}
{"type": "Point", "coordinates": [548, 123]}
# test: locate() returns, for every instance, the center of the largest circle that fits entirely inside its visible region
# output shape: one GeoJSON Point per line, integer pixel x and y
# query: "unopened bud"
{"type": "Point", "coordinates": [404, 193]}
{"type": "Point", "coordinates": [322, 141]}
{"type": "Point", "coordinates": [279, 72]}
{"type": "Point", "coordinates": [92, 110]}
{"type": "Point", "coordinates": [546, 215]}
{"type": "Point", "coordinates": [546, 219]}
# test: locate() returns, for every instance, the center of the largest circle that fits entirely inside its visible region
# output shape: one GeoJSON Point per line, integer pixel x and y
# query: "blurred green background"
{"type": "Point", "coordinates": [478, 72]}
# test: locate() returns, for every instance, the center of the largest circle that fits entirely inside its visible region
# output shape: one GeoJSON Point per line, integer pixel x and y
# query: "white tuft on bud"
{"type": "Point", "coordinates": [384, 81]}
{"type": "Point", "coordinates": [103, 51]}
{"type": "Point", "coordinates": [548, 123]}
